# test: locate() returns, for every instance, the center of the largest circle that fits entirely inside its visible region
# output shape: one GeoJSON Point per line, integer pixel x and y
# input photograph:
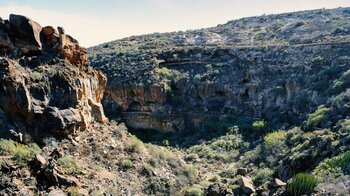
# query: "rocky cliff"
{"type": "Point", "coordinates": [275, 67]}
{"type": "Point", "coordinates": [46, 84]}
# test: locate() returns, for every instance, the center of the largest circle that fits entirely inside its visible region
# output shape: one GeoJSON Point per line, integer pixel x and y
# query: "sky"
{"type": "Point", "coordinates": [94, 22]}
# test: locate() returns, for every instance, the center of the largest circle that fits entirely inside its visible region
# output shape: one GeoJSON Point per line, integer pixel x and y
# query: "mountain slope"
{"type": "Point", "coordinates": [275, 67]}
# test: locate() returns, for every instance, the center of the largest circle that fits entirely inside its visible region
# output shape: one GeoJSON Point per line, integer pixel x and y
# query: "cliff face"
{"type": "Point", "coordinates": [278, 68]}
{"type": "Point", "coordinates": [46, 84]}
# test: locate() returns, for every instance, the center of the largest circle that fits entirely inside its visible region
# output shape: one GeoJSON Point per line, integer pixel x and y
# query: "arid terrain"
{"type": "Point", "coordinates": [256, 106]}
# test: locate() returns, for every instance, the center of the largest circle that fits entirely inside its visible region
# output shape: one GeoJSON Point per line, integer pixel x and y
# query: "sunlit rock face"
{"type": "Point", "coordinates": [46, 84]}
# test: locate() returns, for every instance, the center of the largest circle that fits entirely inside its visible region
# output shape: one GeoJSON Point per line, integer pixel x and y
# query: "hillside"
{"type": "Point", "coordinates": [256, 106]}
{"type": "Point", "coordinates": [267, 93]}
{"type": "Point", "coordinates": [278, 68]}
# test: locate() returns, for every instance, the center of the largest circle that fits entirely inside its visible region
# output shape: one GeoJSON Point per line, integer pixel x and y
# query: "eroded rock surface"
{"type": "Point", "coordinates": [46, 84]}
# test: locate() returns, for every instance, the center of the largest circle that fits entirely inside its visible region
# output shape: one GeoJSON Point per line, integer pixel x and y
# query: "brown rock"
{"type": "Point", "coordinates": [50, 38]}
{"type": "Point", "coordinates": [60, 30]}
{"type": "Point", "coordinates": [278, 183]}
{"type": "Point", "coordinates": [48, 30]}
{"type": "Point", "coordinates": [246, 184]}
{"type": "Point", "coordinates": [56, 192]}
{"type": "Point", "coordinates": [27, 33]}
{"type": "Point", "coordinates": [40, 160]}
{"type": "Point", "coordinates": [69, 48]}
{"type": "Point", "coordinates": [242, 171]}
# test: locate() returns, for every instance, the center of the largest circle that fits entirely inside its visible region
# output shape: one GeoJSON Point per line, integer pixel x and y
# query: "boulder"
{"type": "Point", "coordinates": [49, 37]}
{"type": "Point", "coordinates": [278, 183]}
{"type": "Point", "coordinates": [40, 160]}
{"type": "Point", "coordinates": [27, 33]}
{"type": "Point", "coordinates": [246, 184]}
{"type": "Point", "coordinates": [69, 48]}
{"type": "Point", "coordinates": [61, 30]}
{"type": "Point", "coordinates": [242, 171]}
{"type": "Point", "coordinates": [56, 192]}
{"type": "Point", "coordinates": [97, 111]}
{"type": "Point", "coordinates": [63, 119]}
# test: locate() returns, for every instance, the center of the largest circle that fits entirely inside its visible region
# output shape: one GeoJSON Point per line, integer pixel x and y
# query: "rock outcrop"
{"type": "Point", "coordinates": [21, 34]}
{"type": "Point", "coordinates": [46, 84]}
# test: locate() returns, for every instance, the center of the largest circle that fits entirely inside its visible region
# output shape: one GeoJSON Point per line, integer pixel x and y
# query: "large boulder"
{"type": "Point", "coordinates": [49, 38]}
{"type": "Point", "coordinates": [69, 49]}
{"type": "Point", "coordinates": [27, 33]}
{"type": "Point", "coordinates": [246, 184]}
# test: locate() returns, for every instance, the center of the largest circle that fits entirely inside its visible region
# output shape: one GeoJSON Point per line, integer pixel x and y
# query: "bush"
{"type": "Point", "coordinates": [164, 72]}
{"type": "Point", "coordinates": [126, 164]}
{"type": "Point", "coordinates": [135, 145]}
{"type": "Point", "coordinates": [192, 174]}
{"type": "Point", "coordinates": [315, 119]}
{"type": "Point", "coordinates": [333, 167]}
{"type": "Point", "coordinates": [194, 191]}
{"type": "Point", "coordinates": [21, 153]}
{"type": "Point", "coordinates": [36, 76]}
{"type": "Point", "coordinates": [72, 191]}
{"type": "Point", "coordinates": [260, 125]}
{"type": "Point", "coordinates": [275, 139]}
{"type": "Point", "coordinates": [301, 184]}
{"type": "Point", "coordinates": [69, 166]}
{"type": "Point", "coordinates": [263, 176]}
{"type": "Point", "coordinates": [345, 126]}
{"type": "Point", "coordinates": [223, 148]}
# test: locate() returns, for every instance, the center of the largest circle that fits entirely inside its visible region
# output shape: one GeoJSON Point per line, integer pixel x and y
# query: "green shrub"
{"type": "Point", "coordinates": [36, 76]}
{"type": "Point", "coordinates": [315, 119]}
{"type": "Point", "coordinates": [344, 162]}
{"type": "Point", "coordinates": [126, 164]}
{"type": "Point", "coordinates": [192, 174]}
{"type": "Point", "coordinates": [228, 173]}
{"type": "Point", "coordinates": [69, 166]}
{"type": "Point", "coordinates": [333, 167]}
{"type": "Point", "coordinates": [215, 178]}
{"type": "Point", "coordinates": [72, 191]}
{"type": "Point", "coordinates": [275, 139]}
{"type": "Point", "coordinates": [223, 148]}
{"type": "Point", "coordinates": [147, 170]}
{"type": "Point", "coordinates": [192, 157]}
{"type": "Point", "coordinates": [209, 66]}
{"type": "Point", "coordinates": [345, 126]}
{"type": "Point", "coordinates": [216, 72]}
{"type": "Point", "coordinates": [135, 145]}
{"type": "Point", "coordinates": [164, 72]}
{"type": "Point", "coordinates": [263, 176]}
{"type": "Point", "coordinates": [165, 142]}
{"type": "Point", "coordinates": [194, 191]}
{"type": "Point", "coordinates": [260, 125]}
{"type": "Point", "coordinates": [301, 184]}
{"type": "Point", "coordinates": [21, 153]}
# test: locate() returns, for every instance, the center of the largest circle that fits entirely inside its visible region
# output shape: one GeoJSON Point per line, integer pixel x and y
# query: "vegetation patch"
{"type": "Point", "coordinates": [21, 153]}
{"type": "Point", "coordinates": [301, 184]}
{"type": "Point", "coordinates": [69, 166]}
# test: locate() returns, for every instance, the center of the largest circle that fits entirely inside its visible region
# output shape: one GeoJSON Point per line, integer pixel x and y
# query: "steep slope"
{"type": "Point", "coordinates": [275, 67]}
{"type": "Point", "coordinates": [254, 103]}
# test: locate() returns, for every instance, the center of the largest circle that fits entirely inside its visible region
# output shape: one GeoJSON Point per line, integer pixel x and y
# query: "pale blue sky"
{"type": "Point", "coordinates": [96, 21]}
